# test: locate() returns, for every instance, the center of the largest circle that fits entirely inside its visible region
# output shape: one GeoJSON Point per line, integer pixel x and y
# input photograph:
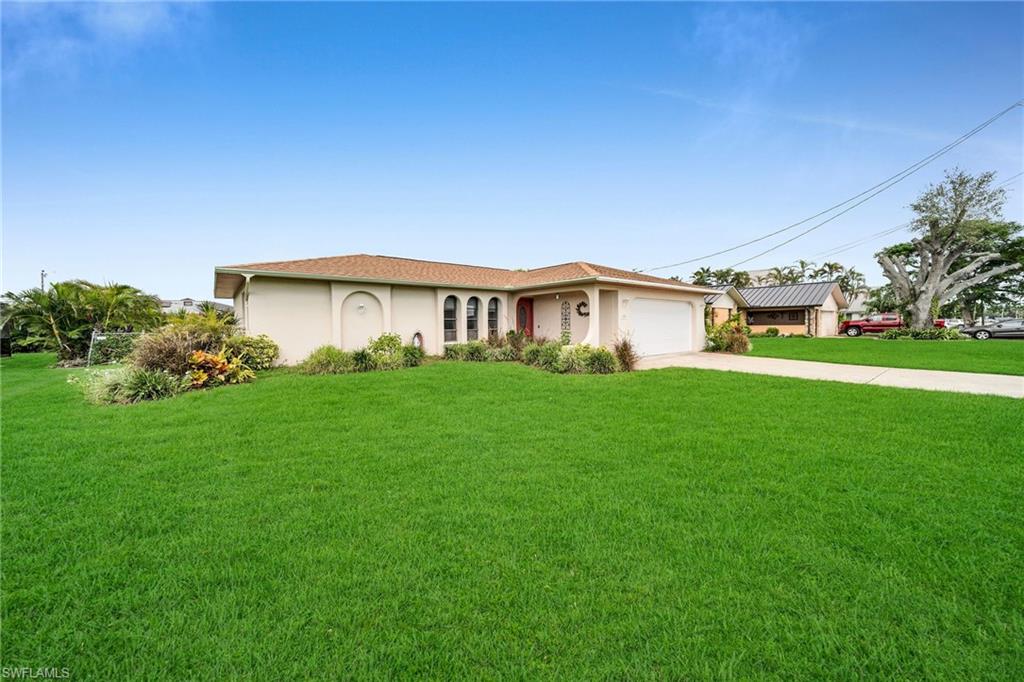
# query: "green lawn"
{"type": "Point", "coordinates": [996, 356]}
{"type": "Point", "coordinates": [480, 521]}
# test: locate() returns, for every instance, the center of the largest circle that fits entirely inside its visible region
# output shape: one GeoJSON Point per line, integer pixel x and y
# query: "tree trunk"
{"type": "Point", "coordinates": [967, 313]}
{"type": "Point", "coordinates": [921, 311]}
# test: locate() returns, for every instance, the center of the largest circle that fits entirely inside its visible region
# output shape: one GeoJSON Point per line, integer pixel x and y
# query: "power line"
{"type": "Point", "coordinates": [871, 192]}
{"type": "Point", "coordinates": [843, 248]}
{"type": "Point", "coordinates": [1010, 179]}
{"type": "Point", "coordinates": [963, 138]}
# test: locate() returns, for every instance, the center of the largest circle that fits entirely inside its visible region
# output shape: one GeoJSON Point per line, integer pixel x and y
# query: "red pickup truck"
{"type": "Point", "coordinates": [876, 323]}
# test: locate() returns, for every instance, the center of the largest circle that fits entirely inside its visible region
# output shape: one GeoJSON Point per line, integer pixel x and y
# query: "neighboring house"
{"type": "Point", "coordinates": [724, 304]}
{"type": "Point", "coordinates": [857, 308]}
{"type": "Point", "coordinates": [811, 308]}
{"type": "Point", "coordinates": [347, 300]}
{"type": "Point", "coordinates": [191, 305]}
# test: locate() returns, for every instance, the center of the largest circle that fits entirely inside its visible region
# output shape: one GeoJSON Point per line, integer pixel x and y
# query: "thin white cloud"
{"type": "Point", "coordinates": [840, 122]}
{"type": "Point", "coordinates": [60, 39]}
{"type": "Point", "coordinates": [758, 42]}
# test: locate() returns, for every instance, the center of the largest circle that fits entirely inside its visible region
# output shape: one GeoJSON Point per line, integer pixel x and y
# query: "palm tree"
{"type": "Point", "coordinates": [829, 271]}
{"type": "Point", "coordinates": [785, 275]}
{"type": "Point", "coordinates": [703, 277]}
{"type": "Point", "coordinates": [62, 317]}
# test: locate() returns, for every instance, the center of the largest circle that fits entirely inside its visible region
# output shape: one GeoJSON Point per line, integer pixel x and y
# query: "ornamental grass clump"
{"type": "Point", "coordinates": [625, 355]}
{"type": "Point", "coordinates": [129, 385]}
{"type": "Point", "coordinates": [328, 360]}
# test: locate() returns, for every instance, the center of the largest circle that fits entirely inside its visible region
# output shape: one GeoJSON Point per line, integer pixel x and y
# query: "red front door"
{"type": "Point", "coordinates": [524, 316]}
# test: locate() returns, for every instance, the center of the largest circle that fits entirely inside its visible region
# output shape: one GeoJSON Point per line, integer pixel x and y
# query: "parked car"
{"type": "Point", "coordinates": [951, 322]}
{"type": "Point", "coordinates": [1005, 329]}
{"type": "Point", "coordinates": [873, 324]}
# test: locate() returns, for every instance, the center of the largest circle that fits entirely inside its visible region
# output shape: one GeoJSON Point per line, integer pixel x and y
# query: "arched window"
{"type": "Point", "coordinates": [492, 317]}
{"type": "Point", "coordinates": [451, 316]}
{"type": "Point", "coordinates": [473, 318]}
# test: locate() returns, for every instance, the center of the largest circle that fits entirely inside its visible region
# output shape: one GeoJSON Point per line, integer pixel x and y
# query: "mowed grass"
{"type": "Point", "coordinates": [493, 521]}
{"type": "Point", "coordinates": [995, 356]}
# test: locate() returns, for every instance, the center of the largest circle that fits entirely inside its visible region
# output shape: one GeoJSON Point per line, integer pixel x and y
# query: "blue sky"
{"type": "Point", "coordinates": [148, 143]}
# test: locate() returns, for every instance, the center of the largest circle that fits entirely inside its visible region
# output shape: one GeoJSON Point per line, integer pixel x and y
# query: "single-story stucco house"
{"type": "Point", "coordinates": [726, 302]}
{"type": "Point", "coordinates": [811, 308]}
{"type": "Point", "coordinates": [347, 300]}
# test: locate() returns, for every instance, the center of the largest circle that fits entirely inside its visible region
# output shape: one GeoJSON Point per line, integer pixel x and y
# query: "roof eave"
{"type": "Point", "coordinates": [450, 285]}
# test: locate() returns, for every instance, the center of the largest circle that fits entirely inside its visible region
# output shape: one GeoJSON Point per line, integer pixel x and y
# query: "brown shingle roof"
{"type": "Point", "coordinates": [392, 269]}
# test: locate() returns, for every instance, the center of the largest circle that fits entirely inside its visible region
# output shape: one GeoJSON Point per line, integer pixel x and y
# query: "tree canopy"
{"type": "Point", "coordinates": [962, 244]}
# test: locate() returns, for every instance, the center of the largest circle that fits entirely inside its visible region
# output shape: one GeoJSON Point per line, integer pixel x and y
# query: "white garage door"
{"type": "Point", "coordinates": [661, 326]}
{"type": "Point", "coordinates": [829, 323]}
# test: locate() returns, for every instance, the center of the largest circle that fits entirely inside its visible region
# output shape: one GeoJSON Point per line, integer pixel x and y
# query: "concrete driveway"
{"type": "Point", "coordinates": [927, 379]}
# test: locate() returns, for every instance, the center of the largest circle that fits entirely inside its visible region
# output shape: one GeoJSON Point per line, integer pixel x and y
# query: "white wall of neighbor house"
{"type": "Point", "coordinates": [828, 318]}
{"type": "Point", "coordinates": [295, 313]}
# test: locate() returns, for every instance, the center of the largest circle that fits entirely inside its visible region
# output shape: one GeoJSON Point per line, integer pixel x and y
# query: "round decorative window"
{"type": "Point", "coordinates": [521, 316]}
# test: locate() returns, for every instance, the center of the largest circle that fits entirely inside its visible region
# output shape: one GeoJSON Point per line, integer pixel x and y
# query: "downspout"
{"type": "Point", "coordinates": [245, 304]}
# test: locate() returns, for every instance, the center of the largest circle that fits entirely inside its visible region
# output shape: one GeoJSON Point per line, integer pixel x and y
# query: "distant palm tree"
{"type": "Point", "coordinates": [62, 317]}
{"type": "Point", "coordinates": [704, 277]}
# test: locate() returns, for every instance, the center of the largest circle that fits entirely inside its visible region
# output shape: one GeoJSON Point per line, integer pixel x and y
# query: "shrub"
{"type": "Point", "coordinates": [574, 359]}
{"type": "Point", "coordinates": [386, 352]}
{"type": "Point", "coordinates": [531, 353]}
{"type": "Point", "coordinates": [625, 354]}
{"type": "Point", "coordinates": [928, 334]}
{"type": "Point", "coordinates": [601, 361]}
{"type": "Point", "coordinates": [505, 353]}
{"type": "Point", "coordinates": [455, 351]}
{"type": "Point", "coordinates": [771, 331]}
{"type": "Point", "coordinates": [112, 347]}
{"type": "Point", "coordinates": [565, 338]}
{"type": "Point", "coordinates": [363, 360]}
{"type": "Point", "coordinates": [166, 349]}
{"type": "Point", "coordinates": [550, 357]}
{"type": "Point", "coordinates": [412, 356]}
{"type": "Point", "coordinates": [213, 369]}
{"type": "Point", "coordinates": [476, 351]}
{"type": "Point", "coordinates": [731, 336]}
{"type": "Point", "coordinates": [132, 385]}
{"type": "Point", "coordinates": [255, 352]}
{"type": "Point", "coordinates": [517, 341]}
{"type": "Point", "coordinates": [327, 360]}
{"type": "Point", "coordinates": [209, 330]}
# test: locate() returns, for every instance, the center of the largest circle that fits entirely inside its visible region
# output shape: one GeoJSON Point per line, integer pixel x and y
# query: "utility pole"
{"type": "Point", "coordinates": [42, 279]}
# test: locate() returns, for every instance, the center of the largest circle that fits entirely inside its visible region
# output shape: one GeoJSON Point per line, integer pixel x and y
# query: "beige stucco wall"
{"type": "Point", "coordinates": [547, 316]}
{"type": "Point", "coordinates": [295, 313]}
{"type": "Point", "coordinates": [412, 310]}
{"type": "Point", "coordinates": [608, 323]}
{"type": "Point", "coordinates": [301, 315]}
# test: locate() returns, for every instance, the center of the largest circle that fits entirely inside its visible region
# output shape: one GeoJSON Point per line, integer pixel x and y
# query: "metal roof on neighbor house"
{"type": "Point", "coordinates": [788, 295]}
{"type": "Point", "coordinates": [731, 290]}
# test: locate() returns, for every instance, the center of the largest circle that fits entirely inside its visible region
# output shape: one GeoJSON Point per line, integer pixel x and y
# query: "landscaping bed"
{"type": "Point", "coordinates": [997, 356]}
{"type": "Point", "coordinates": [489, 520]}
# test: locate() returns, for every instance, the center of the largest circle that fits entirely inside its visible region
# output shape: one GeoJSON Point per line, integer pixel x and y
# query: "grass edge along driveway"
{"type": "Point", "coordinates": [996, 356]}
{"type": "Point", "coordinates": [481, 520]}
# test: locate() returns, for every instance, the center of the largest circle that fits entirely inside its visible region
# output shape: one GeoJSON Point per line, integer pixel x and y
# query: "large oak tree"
{"type": "Point", "coordinates": [962, 243]}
